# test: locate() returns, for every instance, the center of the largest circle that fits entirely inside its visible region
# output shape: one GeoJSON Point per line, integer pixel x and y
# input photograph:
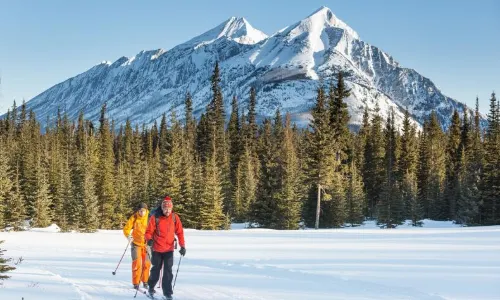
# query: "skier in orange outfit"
{"type": "Point", "coordinates": [140, 251]}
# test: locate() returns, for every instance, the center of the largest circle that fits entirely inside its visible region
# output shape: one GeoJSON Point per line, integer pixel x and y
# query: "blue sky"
{"type": "Point", "coordinates": [455, 43]}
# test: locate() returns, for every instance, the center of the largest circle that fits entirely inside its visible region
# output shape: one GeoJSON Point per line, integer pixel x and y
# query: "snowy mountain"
{"type": "Point", "coordinates": [285, 68]}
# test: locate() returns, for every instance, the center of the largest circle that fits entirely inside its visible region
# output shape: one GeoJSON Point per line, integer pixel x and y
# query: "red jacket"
{"type": "Point", "coordinates": [163, 236]}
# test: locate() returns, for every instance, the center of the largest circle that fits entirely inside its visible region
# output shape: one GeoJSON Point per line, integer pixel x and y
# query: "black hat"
{"type": "Point", "coordinates": [142, 205]}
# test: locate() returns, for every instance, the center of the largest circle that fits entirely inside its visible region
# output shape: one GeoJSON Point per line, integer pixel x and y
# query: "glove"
{"type": "Point", "coordinates": [182, 251]}
{"type": "Point", "coordinates": [150, 243]}
{"type": "Point", "coordinates": [129, 238]}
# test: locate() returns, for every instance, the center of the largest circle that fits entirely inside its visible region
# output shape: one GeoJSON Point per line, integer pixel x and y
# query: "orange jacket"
{"type": "Point", "coordinates": [163, 236]}
{"type": "Point", "coordinates": [137, 225]}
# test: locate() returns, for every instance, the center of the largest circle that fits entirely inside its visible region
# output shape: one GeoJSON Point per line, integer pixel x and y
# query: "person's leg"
{"type": "Point", "coordinates": [136, 264]}
{"type": "Point", "coordinates": [146, 251]}
{"type": "Point", "coordinates": [167, 274]}
{"type": "Point", "coordinates": [157, 262]}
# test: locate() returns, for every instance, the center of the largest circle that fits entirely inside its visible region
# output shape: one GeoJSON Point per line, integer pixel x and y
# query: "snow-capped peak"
{"type": "Point", "coordinates": [321, 18]}
{"type": "Point", "coordinates": [236, 29]}
{"type": "Point", "coordinates": [239, 30]}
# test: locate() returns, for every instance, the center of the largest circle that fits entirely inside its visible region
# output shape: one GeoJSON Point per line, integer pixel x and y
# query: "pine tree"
{"type": "Point", "coordinates": [15, 215]}
{"type": "Point", "coordinates": [339, 116]}
{"type": "Point", "coordinates": [105, 185]}
{"type": "Point", "coordinates": [265, 206]}
{"type": "Point", "coordinates": [188, 166]}
{"type": "Point", "coordinates": [453, 164]}
{"type": "Point", "coordinates": [234, 136]}
{"type": "Point", "coordinates": [252, 119]}
{"type": "Point", "coordinates": [431, 173]}
{"type": "Point", "coordinates": [246, 181]}
{"type": "Point", "coordinates": [42, 200]}
{"type": "Point", "coordinates": [288, 199]}
{"type": "Point", "coordinates": [5, 181]}
{"type": "Point", "coordinates": [490, 190]}
{"type": "Point", "coordinates": [29, 140]}
{"type": "Point", "coordinates": [4, 268]}
{"type": "Point", "coordinates": [211, 198]}
{"type": "Point", "coordinates": [391, 203]}
{"type": "Point", "coordinates": [90, 200]}
{"type": "Point", "coordinates": [407, 168]}
{"type": "Point", "coordinates": [174, 160]}
{"type": "Point", "coordinates": [202, 138]}
{"type": "Point", "coordinates": [216, 120]}
{"type": "Point", "coordinates": [373, 168]}
{"type": "Point", "coordinates": [475, 162]}
{"type": "Point", "coordinates": [467, 207]}
{"type": "Point", "coordinates": [321, 161]}
{"type": "Point", "coordinates": [361, 139]}
{"type": "Point", "coordinates": [355, 197]}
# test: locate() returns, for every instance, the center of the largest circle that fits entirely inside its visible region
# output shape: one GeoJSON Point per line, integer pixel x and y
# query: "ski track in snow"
{"type": "Point", "coordinates": [441, 262]}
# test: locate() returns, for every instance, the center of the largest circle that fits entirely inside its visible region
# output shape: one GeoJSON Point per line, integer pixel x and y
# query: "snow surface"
{"type": "Point", "coordinates": [438, 261]}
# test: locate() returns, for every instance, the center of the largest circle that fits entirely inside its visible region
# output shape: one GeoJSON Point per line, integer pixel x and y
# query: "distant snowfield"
{"type": "Point", "coordinates": [439, 261]}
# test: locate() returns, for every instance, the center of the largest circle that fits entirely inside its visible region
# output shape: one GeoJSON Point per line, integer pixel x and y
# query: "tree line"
{"type": "Point", "coordinates": [85, 176]}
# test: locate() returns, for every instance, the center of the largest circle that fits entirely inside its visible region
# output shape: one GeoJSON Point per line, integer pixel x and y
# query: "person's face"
{"type": "Point", "coordinates": [166, 210]}
{"type": "Point", "coordinates": [142, 212]}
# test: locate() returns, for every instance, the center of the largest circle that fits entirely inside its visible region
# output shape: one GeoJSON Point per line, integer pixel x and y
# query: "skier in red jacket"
{"type": "Point", "coordinates": [162, 226]}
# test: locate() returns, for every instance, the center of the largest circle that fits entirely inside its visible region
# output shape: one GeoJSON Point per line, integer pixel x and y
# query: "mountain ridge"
{"type": "Point", "coordinates": [285, 68]}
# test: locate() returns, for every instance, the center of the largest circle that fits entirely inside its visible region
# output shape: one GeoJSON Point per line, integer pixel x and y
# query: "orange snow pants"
{"type": "Point", "coordinates": [141, 263]}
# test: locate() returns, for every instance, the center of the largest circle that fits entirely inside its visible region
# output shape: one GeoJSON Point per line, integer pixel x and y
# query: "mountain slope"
{"type": "Point", "coordinates": [284, 67]}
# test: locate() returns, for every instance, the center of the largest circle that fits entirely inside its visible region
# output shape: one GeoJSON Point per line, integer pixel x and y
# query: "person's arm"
{"type": "Point", "coordinates": [179, 231]}
{"type": "Point", "coordinates": [150, 229]}
{"type": "Point", "coordinates": [128, 227]}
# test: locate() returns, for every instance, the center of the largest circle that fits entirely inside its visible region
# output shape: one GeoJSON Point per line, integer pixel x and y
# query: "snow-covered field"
{"type": "Point", "coordinates": [438, 261]}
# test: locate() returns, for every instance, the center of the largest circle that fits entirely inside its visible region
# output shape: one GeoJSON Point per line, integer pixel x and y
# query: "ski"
{"type": "Point", "coordinates": [153, 297]}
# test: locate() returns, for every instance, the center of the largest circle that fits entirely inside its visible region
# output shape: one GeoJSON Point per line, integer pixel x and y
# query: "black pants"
{"type": "Point", "coordinates": [159, 259]}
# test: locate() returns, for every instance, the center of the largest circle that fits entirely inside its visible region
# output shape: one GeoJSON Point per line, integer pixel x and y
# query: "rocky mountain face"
{"type": "Point", "coordinates": [286, 69]}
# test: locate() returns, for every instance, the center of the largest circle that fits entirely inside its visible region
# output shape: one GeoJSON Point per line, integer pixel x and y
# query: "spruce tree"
{"type": "Point", "coordinates": [216, 120]}
{"type": "Point", "coordinates": [391, 203]}
{"type": "Point", "coordinates": [339, 116]}
{"type": "Point", "coordinates": [373, 168]}
{"type": "Point", "coordinates": [265, 206]}
{"type": "Point", "coordinates": [467, 206]}
{"type": "Point", "coordinates": [475, 162]}
{"type": "Point", "coordinates": [89, 214]}
{"type": "Point", "coordinates": [432, 170]}
{"type": "Point", "coordinates": [321, 162]}
{"type": "Point", "coordinates": [211, 214]}
{"type": "Point", "coordinates": [42, 200]}
{"type": "Point", "coordinates": [360, 140]}
{"type": "Point", "coordinates": [407, 169]}
{"type": "Point", "coordinates": [15, 214]}
{"type": "Point", "coordinates": [355, 197]}
{"type": "Point", "coordinates": [490, 190]}
{"type": "Point", "coordinates": [453, 165]}
{"type": "Point", "coordinates": [234, 136]}
{"type": "Point", "coordinates": [4, 268]}
{"type": "Point", "coordinates": [174, 169]}
{"type": "Point", "coordinates": [5, 181]}
{"type": "Point", "coordinates": [252, 119]}
{"type": "Point", "coordinates": [188, 166]}
{"type": "Point", "coordinates": [105, 183]}
{"type": "Point", "coordinates": [288, 199]}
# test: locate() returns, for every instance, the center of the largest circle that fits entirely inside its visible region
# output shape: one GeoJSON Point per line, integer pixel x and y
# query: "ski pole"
{"type": "Point", "coordinates": [114, 272]}
{"type": "Point", "coordinates": [177, 272]}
